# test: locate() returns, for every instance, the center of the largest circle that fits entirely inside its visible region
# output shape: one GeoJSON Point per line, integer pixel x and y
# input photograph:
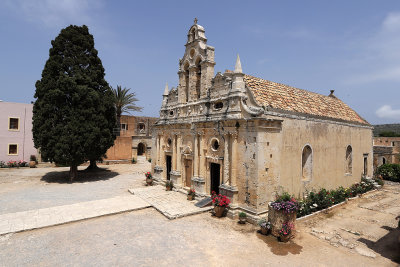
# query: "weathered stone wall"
{"type": "Point", "coordinates": [138, 130]}
{"type": "Point", "coordinates": [122, 149]}
{"type": "Point", "coordinates": [329, 142]}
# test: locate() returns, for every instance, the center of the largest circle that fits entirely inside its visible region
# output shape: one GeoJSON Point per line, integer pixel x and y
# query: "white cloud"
{"type": "Point", "coordinates": [55, 13]}
{"type": "Point", "coordinates": [388, 112]}
{"type": "Point", "coordinates": [380, 55]}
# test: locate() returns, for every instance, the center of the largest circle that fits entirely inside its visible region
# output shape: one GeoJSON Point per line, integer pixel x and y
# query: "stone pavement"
{"type": "Point", "coordinates": [39, 218]}
{"type": "Point", "coordinates": [172, 204]}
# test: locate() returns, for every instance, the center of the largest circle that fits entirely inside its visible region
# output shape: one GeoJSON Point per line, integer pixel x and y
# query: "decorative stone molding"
{"type": "Point", "coordinates": [176, 178]}
{"type": "Point", "coordinates": [198, 184]}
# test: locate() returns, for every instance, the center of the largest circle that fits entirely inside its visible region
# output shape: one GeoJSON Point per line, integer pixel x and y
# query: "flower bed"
{"type": "Point", "coordinates": [13, 164]}
{"type": "Point", "coordinates": [323, 199]}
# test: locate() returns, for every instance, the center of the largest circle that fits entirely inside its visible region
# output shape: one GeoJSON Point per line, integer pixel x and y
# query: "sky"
{"type": "Point", "coordinates": [352, 47]}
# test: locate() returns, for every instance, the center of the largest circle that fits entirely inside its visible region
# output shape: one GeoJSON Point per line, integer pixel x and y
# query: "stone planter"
{"type": "Point", "coordinates": [219, 211]}
{"type": "Point", "coordinates": [149, 181]}
{"type": "Point", "coordinates": [277, 218]}
{"type": "Point", "coordinates": [242, 220]}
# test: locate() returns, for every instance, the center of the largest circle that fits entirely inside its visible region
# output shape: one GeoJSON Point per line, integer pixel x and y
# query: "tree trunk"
{"type": "Point", "coordinates": [73, 172]}
{"type": "Point", "coordinates": [92, 165]}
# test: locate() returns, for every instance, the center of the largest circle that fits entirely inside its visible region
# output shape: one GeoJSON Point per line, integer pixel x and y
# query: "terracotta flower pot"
{"type": "Point", "coordinates": [32, 164]}
{"type": "Point", "coordinates": [284, 238]}
{"type": "Point", "coordinates": [168, 188]}
{"type": "Point", "coordinates": [242, 220]}
{"type": "Point", "coordinates": [190, 197]}
{"type": "Point", "coordinates": [149, 181]}
{"type": "Point", "coordinates": [264, 231]}
{"type": "Point", "coordinates": [219, 211]}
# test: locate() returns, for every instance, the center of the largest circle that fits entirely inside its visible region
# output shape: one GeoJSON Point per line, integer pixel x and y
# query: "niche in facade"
{"type": "Point", "coordinates": [307, 161]}
{"type": "Point", "coordinates": [349, 160]}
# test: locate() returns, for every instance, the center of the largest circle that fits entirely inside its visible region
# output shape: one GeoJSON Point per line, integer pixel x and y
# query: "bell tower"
{"type": "Point", "coordinates": [196, 68]}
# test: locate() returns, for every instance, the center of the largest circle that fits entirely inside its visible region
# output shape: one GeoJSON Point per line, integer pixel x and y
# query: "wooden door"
{"type": "Point", "coordinates": [188, 172]}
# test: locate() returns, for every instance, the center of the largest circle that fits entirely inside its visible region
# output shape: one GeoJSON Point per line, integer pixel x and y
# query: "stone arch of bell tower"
{"type": "Point", "coordinates": [196, 67]}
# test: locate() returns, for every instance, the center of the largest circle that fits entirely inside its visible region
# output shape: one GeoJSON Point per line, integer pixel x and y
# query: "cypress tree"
{"type": "Point", "coordinates": [74, 111]}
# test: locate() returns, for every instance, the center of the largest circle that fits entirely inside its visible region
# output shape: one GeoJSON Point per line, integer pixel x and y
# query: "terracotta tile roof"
{"type": "Point", "coordinates": [283, 97]}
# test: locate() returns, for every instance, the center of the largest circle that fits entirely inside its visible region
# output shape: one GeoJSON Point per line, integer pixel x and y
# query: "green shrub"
{"type": "Point", "coordinates": [134, 161]}
{"type": "Point", "coordinates": [242, 214]}
{"type": "Point", "coordinates": [389, 172]}
{"type": "Point", "coordinates": [149, 160]}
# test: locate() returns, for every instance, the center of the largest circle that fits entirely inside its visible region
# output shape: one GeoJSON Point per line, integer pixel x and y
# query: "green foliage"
{"type": "Point", "coordinates": [389, 172]}
{"type": "Point", "coordinates": [134, 161]}
{"type": "Point", "coordinates": [387, 128]}
{"type": "Point", "coordinates": [169, 183]}
{"type": "Point", "coordinates": [242, 214]}
{"type": "Point", "coordinates": [389, 134]}
{"type": "Point", "coordinates": [74, 112]}
{"type": "Point", "coordinates": [149, 160]}
{"type": "Point", "coordinates": [124, 101]}
{"type": "Point", "coordinates": [285, 196]}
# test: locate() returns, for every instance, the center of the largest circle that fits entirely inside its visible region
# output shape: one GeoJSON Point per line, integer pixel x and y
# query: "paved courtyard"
{"type": "Point", "coordinates": [360, 233]}
{"type": "Point", "coordinates": [28, 189]}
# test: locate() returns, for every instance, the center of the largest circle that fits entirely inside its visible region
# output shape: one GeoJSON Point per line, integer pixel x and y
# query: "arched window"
{"type": "Point", "coordinates": [349, 160]}
{"type": "Point", "coordinates": [198, 77]}
{"type": "Point", "coordinates": [186, 69]}
{"type": "Point", "coordinates": [141, 127]}
{"type": "Point", "coordinates": [307, 161]}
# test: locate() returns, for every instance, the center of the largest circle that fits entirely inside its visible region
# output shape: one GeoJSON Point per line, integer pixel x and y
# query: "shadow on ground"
{"type": "Point", "coordinates": [387, 246]}
{"type": "Point", "coordinates": [62, 177]}
{"type": "Point", "coordinates": [279, 248]}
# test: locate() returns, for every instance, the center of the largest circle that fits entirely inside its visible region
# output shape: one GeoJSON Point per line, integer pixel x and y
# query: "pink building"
{"type": "Point", "coordinates": [16, 140]}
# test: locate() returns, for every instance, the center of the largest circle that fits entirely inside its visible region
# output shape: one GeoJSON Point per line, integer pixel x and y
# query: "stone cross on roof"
{"type": "Point", "coordinates": [195, 20]}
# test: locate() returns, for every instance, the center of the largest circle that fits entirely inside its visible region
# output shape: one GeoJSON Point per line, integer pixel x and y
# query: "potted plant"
{"type": "Point", "coordinates": [134, 161]}
{"type": "Point", "coordinates": [191, 194]}
{"type": "Point", "coordinates": [33, 161]}
{"type": "Point", "coordinates": [286, 231]}
{"type": "Point", "coordinates": [169, 185]}
{"type": "Point", "coordinates": [242, 217]}
{"type": "Point", "coordinates": [265, 226]}
{"type": "Point", "coordinates": [149, 178]}
{"type": "Point", "coordinates": [220, 202]}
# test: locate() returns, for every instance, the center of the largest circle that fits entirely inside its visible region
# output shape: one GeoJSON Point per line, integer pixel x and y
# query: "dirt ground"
{"type": "Point", "coordinates": [360, 233]}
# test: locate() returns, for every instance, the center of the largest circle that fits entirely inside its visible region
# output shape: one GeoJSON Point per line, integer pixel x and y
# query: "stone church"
{"type": "Point", "coordinates": [249, 138]}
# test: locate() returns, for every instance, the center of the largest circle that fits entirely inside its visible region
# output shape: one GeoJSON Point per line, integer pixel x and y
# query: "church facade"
{"type": "Point", "coordinates": [249, 138]}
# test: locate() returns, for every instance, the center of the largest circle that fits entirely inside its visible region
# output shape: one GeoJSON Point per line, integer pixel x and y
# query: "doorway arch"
{"type": "Point", "coordinates": [141, 150]}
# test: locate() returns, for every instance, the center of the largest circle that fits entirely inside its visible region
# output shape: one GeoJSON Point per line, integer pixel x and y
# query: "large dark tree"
{"type": "Point", "coordinates": [74, 111]}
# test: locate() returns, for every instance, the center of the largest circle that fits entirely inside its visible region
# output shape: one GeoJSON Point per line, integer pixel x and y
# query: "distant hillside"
{"type": "Point", "coordinates": [387, 129]}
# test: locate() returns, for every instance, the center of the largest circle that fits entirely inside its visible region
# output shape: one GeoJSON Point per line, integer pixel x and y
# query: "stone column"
{"type": "Point", "coordinates": [174, 151]}
{"type": "Point", "coordinates": [202, 172]}
{"type": "Point", "coordinates": [158, 149]}
{"type": "Point", "coordinates": [226, 160]}
{"type": "Point", "coordinates": [196, 156]}
{"type": "Point", "coordinates": [178, 153]}
{"type": "Point", "coordinates": [235, 162]}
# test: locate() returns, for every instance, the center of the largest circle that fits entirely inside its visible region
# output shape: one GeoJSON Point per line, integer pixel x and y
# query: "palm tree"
{"type": "Point", "coordinates": [124, 102]}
